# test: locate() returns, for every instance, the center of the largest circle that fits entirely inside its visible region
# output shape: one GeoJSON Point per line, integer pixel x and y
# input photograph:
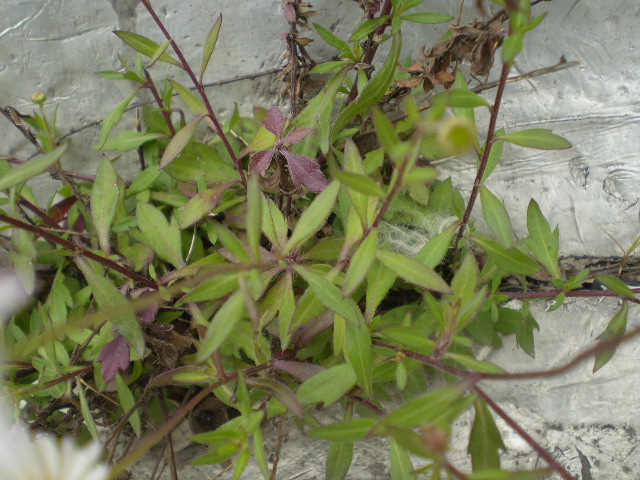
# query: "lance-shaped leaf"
{"type": "Point", "coordinates": [329, 37]}
{"type": "Point", "coordinates": [372, 92]}
{"type": "Point", "coordinates": [196, 105]}
{"type": "Point", "coordinates": [160, 235]}
{"type": "Point", "coordinates": [360, 183]}
{"type": "Point", "coordinates": [104, 200]}
{"type": "Point", "coordinates": [145, 46]}
{"type": "Point", "coordinates": [179, 141]}
{"type": "Point", "coordinates": [354, 430]}
{"type": "Point", "coordinates": [279, 391]}
{"type": "Point", "coordinates": [210, 44]}
{"type": "Point", "coordinates": [128, 401]}
{"type": "Point", "coordinates": [112, 119]}
{"type": "Point", "coordinates": [379, 282]}
{"type": "Point", "coordinates": [330, 296]}
{"type": "Point", "coordinates": [367, 27]}
{"type": "Point", "coordinates": [401, 466]}
{"type": "Point", "coordinates": [222, 325]}
{"type": "Point", "coordinates": [254, 216]}
{"type": "Point", "coordinates": [413, 271]}
{"type": "Point", "coordinates": [496, 216]}
{"type": "Point", "coordinates": [409, 337]}
{"type": "Point", "coordinates": [314, 217]}
{"type": "Point", "coordinates": [107, 296]}
{"type": "Point", "coordinates": [511, 261]}
{"type": "Point", "coordinates": [31, 168]}
{"type": "Point", "coordinates": [130, 140]}
{"type": "Point", "coordinates": [328, 386]}
{"type": "Point", "coordinates": [359, 354]}
{"type": "Point", "coordinates": [202, 203]}
{"type": "Point", "coordinates": [339, 458]}
{"type": "Point", "coordinates": [485, 440]}
{"type": "Point", "coordinates": [461, 97]}
{"type": "Point", "coordinates": [360, 263]}
{"type": "Point", "coordinates": [616, 285]}
{"type": "Point", "coordinates": [436, 249]}
{"type": "Point", "coordinates": [543, 242]}
{"type": "Point", "coordinates": [540, 138]}
{"type": "Point", "coordinates": [159, 52]}
{"type": "Point", "coordinates": [616, 328]}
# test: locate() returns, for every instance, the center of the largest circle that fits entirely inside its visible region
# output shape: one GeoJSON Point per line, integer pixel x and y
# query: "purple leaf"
{"type": "Point", "coordinates": [260, 161]}
{"type": "Point", "coordinates": [114, 356]}
{"type": "Point", "coordinates": [297, 134]}
{"type": "Point", "coordinates": [275, 122]}
{"type": "Point", "coordinates": [305, 171]}
{"type": "Point", "coordinates": [290, 13]}
{"type": "Point", "coordinates": [302, 371]}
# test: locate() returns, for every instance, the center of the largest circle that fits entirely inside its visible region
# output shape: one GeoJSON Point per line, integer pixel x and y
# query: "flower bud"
{"type": "Point", "coordinates": [38, 98]}
{"type": "Point", "coordinates": [457, 135]}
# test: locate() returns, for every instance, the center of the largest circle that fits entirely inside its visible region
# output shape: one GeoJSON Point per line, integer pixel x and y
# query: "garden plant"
{"type": "Point", "coordinates": [301, 257]}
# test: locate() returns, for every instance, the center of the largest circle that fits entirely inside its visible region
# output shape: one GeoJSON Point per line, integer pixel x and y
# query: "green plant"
{"type": "Point", "coordinates": [279, 265]}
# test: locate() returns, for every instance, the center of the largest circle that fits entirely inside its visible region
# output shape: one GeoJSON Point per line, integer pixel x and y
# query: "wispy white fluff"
{"type": "Point", "coordinates": [409, 240]}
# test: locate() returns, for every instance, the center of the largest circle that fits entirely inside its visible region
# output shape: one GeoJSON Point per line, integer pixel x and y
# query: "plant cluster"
{"type": "Point", "coordinates": [283, 263]}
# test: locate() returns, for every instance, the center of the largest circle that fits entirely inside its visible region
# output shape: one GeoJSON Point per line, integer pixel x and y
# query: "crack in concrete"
{"type": "Point", "coordinates": [26, 20]}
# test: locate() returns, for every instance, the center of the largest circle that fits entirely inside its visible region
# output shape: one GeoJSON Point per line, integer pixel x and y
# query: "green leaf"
{"type": "Point", "coordinates": [339, 459]}
{"type": "Point", "coordinates": [409, 337]}
{"type": "Point", "coordinates": [231, 242]}
{"type": "Point", "coordinates": [31, 168]}
{"type": "Point", "coordinates": [196, 105]}
{"type": "Point", "coordinates": [462, 97]}
{"type": "Point", "coordinates": [329, 37]}
{"type": "Point", "coordinates": [145, 46]}
{"type": "Point", "coordinates": [128, 401]}
{"type": "Point", "coordinates": [202, 204]}
{"type": "Point", "coordinates": [413, 271]}
{"type": "Point", "coordinates": [104, 201]}
{"type": "Point", "coordinates": [616, 328]}
{"type": "Point", "coordinates": [330, 296]}
{"type": "Point", "coordinates": [442, 405]}
{"type": "Point", "coordinates": [386, 133]}
{"type": "Point", "coordinates": [317, 115]}
{"type": "Point", "coordinates": [314, 217]}
{"type": "Point", "coordinates": [222, 325]}
{"type": "Point", "coordinates": [427, 17]}
{"type": "Point", "coordinates": [328, 67]}
{"type": "Point", "coordinates": [212, 289]}
{"type": "Point", "coordinates": [616, 285]}
{"type": "Point", "coordinates": [160, 235]}
{"type": "Point", "coordinates": [107, 295]}
{"type": "Point", "coordinates": [496, 216]}
{"type": "Point", "coordinates": [368, 27]}
{"type": "Point", "coordinates": [494, 156]}
{"type": "Point", "coordinates": [475, 365]}
{"type": "Point", "coordinates": [506, 475]}
{"type": "Point", "coordinates": [254, 216]}
{"type": "Point", "coordinates": [328, 386]}
{"type": "Point", "coordinates": [379, 281]}
{"type": "Point", "coordinates": [361, 263]}
{"type": "Point", "coordinates": [279, 391]}
{"type": "Point", "coordinates": [511, 261]}
{"type": "Point", "coordinates": [524, 331]}
{"type": "Point", "coordinates": [179, 141]}
{"type": "Point", "coordinates": [401, 466]}
{"type": "Point", "coordinates": [421, 175]}
{"type": "Point", "coordinates": [129, 140]}
{"type": "Point", "coordinates": [86, 413]}
{"type": "Point", "coordinates": [274, 225]}
{"type": "Point", "coordinates": [156, 56]}
{"type": "Point", "coordinates": [511, 47]}
{"type": "Point", "coordinates": [112, 119]}
{"type": "Point", "coordinates": [359, 355]}
{"type": "Point", "coordinates": [436, 249]}
{"type": "Point", "coordinates": [210, 44]}
{"type": "Point", "coordinates": [360, 183]}
{"type": "Point", "coordinates": [539, 138]}
{"type": "Point", "coordinates": [372, 92]}
{"type": "Point", "coordinates": [353, 163]}
{"type": "Point", "coordinates": [260, 454]}
{"type": "Point", "coordinates": [485, 440]}
{"type": "Point", "coordinates": [542, 241]}
{"type": "Point", "coordinates": [354, 430]}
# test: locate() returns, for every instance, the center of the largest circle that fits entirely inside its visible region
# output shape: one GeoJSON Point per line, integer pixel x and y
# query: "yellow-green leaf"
{"type": "Point", "coordinates": [413, 271]}
{"type": "Point", "coordinates": [145, 46]}
{"type": "Point", "coordinates": [210, 44]}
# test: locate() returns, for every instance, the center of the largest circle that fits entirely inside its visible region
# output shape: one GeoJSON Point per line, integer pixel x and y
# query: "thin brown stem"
{"type": "Point", "coordinates": [200, 88]}
{"type": "Point", "coordinates": [487, 151]}
{"type": "Point", "coordinates": [540, 450]}
{"type": "Point", "coordinates": [77, 250]}
{"type": "Point", "coordinates": [154, 91]}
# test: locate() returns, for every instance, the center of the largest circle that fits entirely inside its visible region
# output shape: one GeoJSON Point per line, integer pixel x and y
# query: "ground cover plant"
{"type": "Point", "coordinates": [283, 262]}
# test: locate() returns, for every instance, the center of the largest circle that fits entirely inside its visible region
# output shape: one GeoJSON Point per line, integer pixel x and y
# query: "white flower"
{"type": "Point", "coordinates": [43, 457]}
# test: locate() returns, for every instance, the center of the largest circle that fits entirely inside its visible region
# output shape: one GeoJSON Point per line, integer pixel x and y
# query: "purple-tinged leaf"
{"type": "Point", "coordinates": [260, 161]}
{"type": "Point", "coordinates": [297, 134]}
{"type": "Point", "coordinates": [114, 356]}
{"type": "Point", "coordinates": [290, 13]}
{"type": "Point", "coordinates": [147, 315]}
{"type": "Point", "coordinates": [305, 171]}
{"type": "Point", "coordinates": [301, 371]}
{"type": "Point", "coordinates": [281, 392]}
{"type": "Point", "coordinates": [275, 122]}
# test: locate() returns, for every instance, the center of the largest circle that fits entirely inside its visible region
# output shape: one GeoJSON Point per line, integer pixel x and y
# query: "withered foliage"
{"type": "Point", "coordinates": [475, 43]}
